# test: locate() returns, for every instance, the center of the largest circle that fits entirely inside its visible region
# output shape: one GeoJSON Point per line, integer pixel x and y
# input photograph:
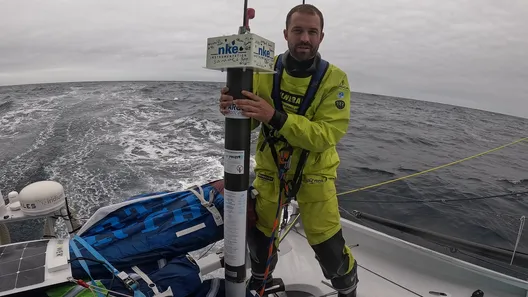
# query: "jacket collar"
{"type": "Point", "coordinates": [291, 69]}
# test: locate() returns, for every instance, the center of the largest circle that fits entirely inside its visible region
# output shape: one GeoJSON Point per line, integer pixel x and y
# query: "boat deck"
{"type": "Point", "coordinates": [389, 266]}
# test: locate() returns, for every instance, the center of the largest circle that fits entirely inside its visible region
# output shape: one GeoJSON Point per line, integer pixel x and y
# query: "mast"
{"type": "Point", "coordinates": [240, 55]}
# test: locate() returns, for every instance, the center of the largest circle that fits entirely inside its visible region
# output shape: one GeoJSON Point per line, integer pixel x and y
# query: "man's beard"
{"type": "Point", "coordinates": [302, 51]}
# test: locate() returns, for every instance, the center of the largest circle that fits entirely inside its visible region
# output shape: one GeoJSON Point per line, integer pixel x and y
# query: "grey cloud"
{"type": "Point", "coordinates": [471, 53]}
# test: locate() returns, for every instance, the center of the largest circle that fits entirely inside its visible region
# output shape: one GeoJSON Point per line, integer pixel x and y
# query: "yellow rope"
{"type": "Point", "coordinates": [290, 225]}
{"type": "Point", "coordinates": [432, 169]}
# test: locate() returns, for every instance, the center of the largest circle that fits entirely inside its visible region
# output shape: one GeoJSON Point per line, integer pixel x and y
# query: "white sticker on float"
{"type": "Point", "coordinates": [235, 113]}
{"type": "Point", "coordinates": [234, 162]}
{"type": "Point", "coordinates": [235, 227]}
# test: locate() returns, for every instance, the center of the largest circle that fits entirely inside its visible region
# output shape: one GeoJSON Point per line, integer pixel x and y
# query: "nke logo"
{"type": "Point", "coordinates": [291, 98]}
{"type": "Point", "coordinates": [230, 49]}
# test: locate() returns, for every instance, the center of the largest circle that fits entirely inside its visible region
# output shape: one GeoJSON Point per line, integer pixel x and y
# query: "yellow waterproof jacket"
{"type": "Point", "coordinates": [324, 124]}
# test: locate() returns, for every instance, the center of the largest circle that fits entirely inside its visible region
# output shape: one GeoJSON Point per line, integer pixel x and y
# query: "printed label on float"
{"type": "Point", "coordinates": [235, 227]}
{"type": "Point", "coordinates": [235, 113]}
{"type": "Point", "coordinates": [234, 162]}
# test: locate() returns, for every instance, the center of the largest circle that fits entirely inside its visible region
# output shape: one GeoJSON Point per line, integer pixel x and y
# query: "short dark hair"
{"type": "Point", "coordinates": [305, 8]}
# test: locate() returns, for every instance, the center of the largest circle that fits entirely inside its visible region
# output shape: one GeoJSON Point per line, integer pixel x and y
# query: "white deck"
{"type": "Point", "coordinates": [388, 266]}
{"type": "Point", "coordinates": [392, 267]}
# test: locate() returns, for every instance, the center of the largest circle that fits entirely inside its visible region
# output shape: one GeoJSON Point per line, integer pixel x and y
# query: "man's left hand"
{"type": "Point", "coordinates": [255, 107]}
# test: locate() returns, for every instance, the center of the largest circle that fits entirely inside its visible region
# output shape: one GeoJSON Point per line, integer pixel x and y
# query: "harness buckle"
{"type": "Point", "coordinates": [128, 281]}
{"type": "Point", "coordinates": [271, 137]}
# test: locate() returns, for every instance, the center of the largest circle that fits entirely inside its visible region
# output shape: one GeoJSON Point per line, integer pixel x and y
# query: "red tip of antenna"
{"type": "Point", "coordinates": [250, 13]}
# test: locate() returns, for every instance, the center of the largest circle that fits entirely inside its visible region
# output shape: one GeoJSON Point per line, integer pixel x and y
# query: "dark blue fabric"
{"type": "Point", "coordinates": [180, 274]}
{"type": "Point", "coordinates": [145, 231]}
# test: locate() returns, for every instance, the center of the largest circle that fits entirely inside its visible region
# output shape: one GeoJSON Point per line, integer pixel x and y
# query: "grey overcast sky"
{"type": "Point", "coordinates": [470, 53]}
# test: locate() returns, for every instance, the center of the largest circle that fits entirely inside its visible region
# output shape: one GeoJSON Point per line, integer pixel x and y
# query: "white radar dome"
{"type": "Point", "coordinates": [41, 198]}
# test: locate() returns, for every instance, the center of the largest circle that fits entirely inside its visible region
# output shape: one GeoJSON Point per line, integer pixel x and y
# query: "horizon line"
{"type": "Point", "coordinates": [219, 82]}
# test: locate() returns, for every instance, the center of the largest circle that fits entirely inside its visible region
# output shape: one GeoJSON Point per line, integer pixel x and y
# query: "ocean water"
{"type": "Point", "coordinates": [106, 141]}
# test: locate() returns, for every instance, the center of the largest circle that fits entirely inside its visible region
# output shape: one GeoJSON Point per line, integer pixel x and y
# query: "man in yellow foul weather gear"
{"type": "Point", "coordinates": [305, 110]}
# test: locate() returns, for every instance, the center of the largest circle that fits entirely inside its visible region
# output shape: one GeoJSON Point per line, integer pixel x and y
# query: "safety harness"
{"type": "Point", "coordinates": [283, 159]}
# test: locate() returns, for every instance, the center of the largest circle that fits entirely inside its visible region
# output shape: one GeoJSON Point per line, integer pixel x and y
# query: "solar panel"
{"type": "Point", "coordinates": [34, 264]}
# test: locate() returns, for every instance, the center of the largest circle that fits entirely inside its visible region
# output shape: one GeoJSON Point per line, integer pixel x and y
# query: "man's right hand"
{"type": "Point", "coordinates": [225, 100]}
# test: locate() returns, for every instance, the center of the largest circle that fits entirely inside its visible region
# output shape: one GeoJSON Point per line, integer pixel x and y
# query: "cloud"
{"type": "Point", "coordinates": [470, 53]}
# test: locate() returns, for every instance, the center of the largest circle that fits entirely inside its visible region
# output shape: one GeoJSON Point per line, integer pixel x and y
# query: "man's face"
{"type": "Point", "coordinates": [303, 35]}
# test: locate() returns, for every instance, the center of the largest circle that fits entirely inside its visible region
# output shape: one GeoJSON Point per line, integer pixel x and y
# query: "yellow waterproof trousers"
{"type": "Point", "coordinates": [320, 216]}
